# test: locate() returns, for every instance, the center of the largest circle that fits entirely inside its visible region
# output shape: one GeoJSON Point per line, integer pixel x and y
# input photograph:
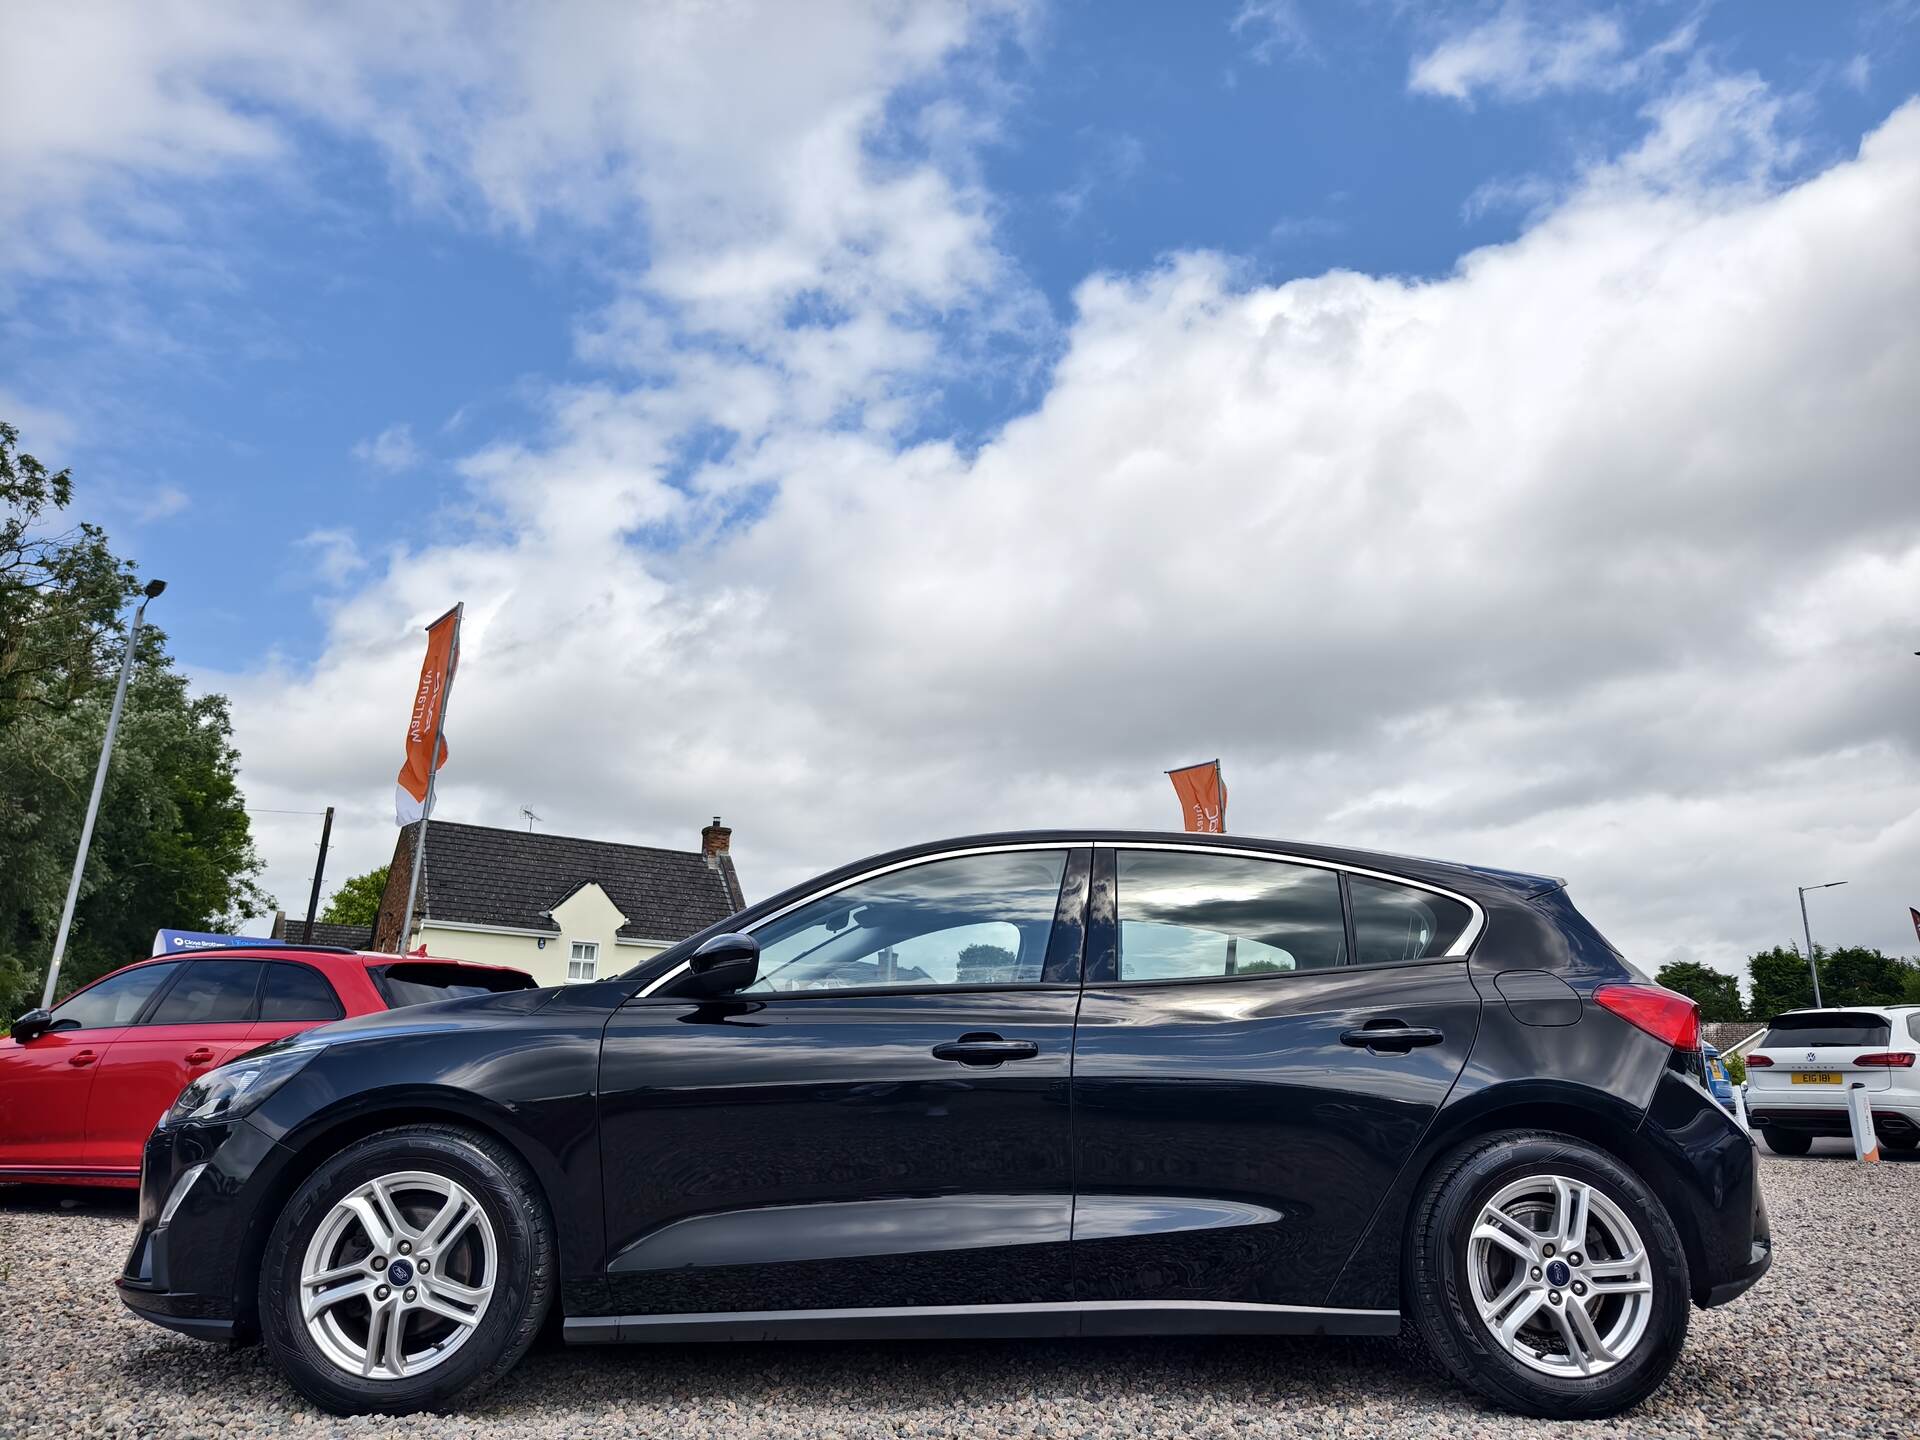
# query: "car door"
{"type": "Point", "coordinates": [881, 1120]}
{"type": "Point", "coordinates": [47, 1082]}
{"type": "Point", "coordinates": [204, 1017]}
{"type": "Point", "coordinates": [1234, 1127]}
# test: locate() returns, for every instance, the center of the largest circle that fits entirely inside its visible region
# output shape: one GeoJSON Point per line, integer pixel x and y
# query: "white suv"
{"type": "Point", "coordinates": [1798, 1076]}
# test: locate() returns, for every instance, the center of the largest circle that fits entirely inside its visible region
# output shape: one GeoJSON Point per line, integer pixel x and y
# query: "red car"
{"type": "Point", "coordinates": [81, 1089]}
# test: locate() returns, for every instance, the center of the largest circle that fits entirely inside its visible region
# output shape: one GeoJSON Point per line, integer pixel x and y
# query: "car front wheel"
{"type": "Point", "coordinates": [411, 1269]}
{"type": "Point", "coordinates": [1543, 1273]}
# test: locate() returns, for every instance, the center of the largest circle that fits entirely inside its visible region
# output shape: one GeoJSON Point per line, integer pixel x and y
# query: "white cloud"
{"type": "Point", "coordinates": [392, 450]}
{"type": "Point", "coordinates": [160, 502]}
{"type": "Point", "coordinates": [334, 554]}
{"type": "Point", "coordinates": [1589, 557]}
{"type": "Point", "coordinates": [1592, 557]}
{"type": "Point", "coordinates": [1516, 55]}
{"type": "Point", "coordinates": [1273, 26]}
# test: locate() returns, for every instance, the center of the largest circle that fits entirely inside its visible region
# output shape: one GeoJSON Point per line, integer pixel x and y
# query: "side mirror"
{"type": "Point", "coordinates": [724, 964]}
{"type": "Point", "coordinates": [32, 1025]}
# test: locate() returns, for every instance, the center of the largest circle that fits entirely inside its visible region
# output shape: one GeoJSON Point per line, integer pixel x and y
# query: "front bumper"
{"type": "Point", "coordinates": [185, 1270]}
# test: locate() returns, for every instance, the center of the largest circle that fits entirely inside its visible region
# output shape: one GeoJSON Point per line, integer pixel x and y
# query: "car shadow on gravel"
{"type": "Point", "coordinates": [56, 1199]}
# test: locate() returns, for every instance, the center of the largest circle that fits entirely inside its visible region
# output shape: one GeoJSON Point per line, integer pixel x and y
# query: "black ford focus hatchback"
{"type": "Point", "coordinates": [1042, 1084]}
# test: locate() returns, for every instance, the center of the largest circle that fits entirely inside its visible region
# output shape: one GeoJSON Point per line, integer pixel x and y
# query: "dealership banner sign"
{"type": "Point", "coordinates": [412, 792]}
{"type": "Point", "coordinates": [1203, 797]}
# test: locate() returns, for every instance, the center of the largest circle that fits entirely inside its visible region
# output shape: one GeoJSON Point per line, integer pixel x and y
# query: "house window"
{"type": "Point", "coordinates": [583, 961]}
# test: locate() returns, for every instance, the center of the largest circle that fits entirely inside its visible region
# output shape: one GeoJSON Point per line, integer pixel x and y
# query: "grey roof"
{"type": "Point", "coordinates": [294, 928]}
{"type": "Point", "coordinates": [478, 875]}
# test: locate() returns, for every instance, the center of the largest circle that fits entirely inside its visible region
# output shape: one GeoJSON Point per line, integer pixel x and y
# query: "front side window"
{"type": "Point", "coordinates": [583, 961]}
{"type": "Point", "coordinates": [117, 1000]}
{"type": "Point", "coordinates": [1187, 915]}
{"type": "Point", "coordinates": [1395, 924]}
{"type": "Point", "coordinates": [212, 992]}
{"type": "Point", "coordinates": [968, 920]}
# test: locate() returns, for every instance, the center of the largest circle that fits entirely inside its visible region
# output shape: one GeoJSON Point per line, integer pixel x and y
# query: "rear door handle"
{"type": "Point", "coordinates": [983, 1048]}
{"type": "Point", "coordinates": [200, 1056]}
{"type": "Point", "coordinates": [85, 1057]}
{"type": "Point", "coordinates": [1398, 1039]}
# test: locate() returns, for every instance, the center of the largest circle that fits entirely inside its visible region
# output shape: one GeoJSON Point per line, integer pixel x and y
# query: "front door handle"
{"type": "Point", "coordinates": [85, 1057]}
{"type": "Point", "coordinates": [200, 1056]}
{"type": "Point", "coordinates": [1391, 1036]}
{"type": "Point", "coordinates": [985, 1048]}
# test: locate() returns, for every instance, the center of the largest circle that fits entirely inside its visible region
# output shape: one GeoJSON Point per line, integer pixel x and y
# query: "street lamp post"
{"type": "Point", "coordinates": [152, 592]}
{"type": "Point", "coordinates": [1808, 929]}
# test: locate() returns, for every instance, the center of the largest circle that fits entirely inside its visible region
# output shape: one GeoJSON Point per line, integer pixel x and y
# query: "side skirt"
{"type": "Point", "coordinates": [937, 1322]}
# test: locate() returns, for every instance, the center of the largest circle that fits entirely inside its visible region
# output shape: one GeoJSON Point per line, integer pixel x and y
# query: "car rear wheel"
{"type": "Point", "coordinates": [411, 1269]}
{"type": "Point", "coordinates": [1901, 1142]}
{"type": "Point", "coordinates": [1544, 1274]}
{"type": "Point", "coordinates": [1786, 1142]}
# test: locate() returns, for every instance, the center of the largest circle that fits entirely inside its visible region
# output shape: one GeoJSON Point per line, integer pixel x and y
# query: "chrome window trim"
{"type": "Point", "coordinates": [1475, 924]}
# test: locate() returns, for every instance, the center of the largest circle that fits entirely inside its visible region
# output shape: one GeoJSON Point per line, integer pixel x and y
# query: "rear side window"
{"type": "Point", "coordinates": [298, 992]}
{"type": "Point", "coordinates": [212, 992]}
{"type": "Point", "coordinates": [1393, 924]}
{"type": "Point", "coordinates": [1185, 915]}
{"type": "Point", "coordinates": [419, 983]}
{"type": "Point", "coordinates": [114, 1001]}
{"type": "Point", "coordinates": [1913, 1025]}
{"type": "Point", "coordinates": [1828, 1027]}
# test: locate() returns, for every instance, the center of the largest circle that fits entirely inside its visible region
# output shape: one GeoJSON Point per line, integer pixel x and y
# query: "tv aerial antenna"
{"type": "Point", "coordinates": [531, 817]}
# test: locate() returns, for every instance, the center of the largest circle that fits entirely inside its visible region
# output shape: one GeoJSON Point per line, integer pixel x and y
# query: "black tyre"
{"type": "Point", "coordinates": [1902, 1143]}
{"type": "Point", "coordinates": [410, 1270]}
{"type": "Point", "coordinates": [1544, 1274]}
{"type": "Point", "coordinates": [1787, 1142]}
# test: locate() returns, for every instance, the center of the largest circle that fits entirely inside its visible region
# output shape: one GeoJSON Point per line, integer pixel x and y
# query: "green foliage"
{"type": "Point", "coordinates": [983, 964]}
{"type": "Point", "coordinates": [172, 846]}
{"type": "Point", "coordinates": [1258, 967]}
{"type": "Point", "coordinates": [1736, 1069]}
{"type": "Point", "coordinates": [1851, 975]}
{"type": "Point", "coordinates": [1717, 994]}
{"type": "Point", "coordinates": [357, 901]}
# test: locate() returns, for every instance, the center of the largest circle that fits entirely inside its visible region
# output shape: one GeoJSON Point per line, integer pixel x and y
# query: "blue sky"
{"type": "Point", "coordinates": [668, 326]}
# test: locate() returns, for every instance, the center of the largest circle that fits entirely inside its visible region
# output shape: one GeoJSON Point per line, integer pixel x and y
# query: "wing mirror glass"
{"type": "Point", "coordinates": [32, 1025]}
{"type": "Point", "coordinates": [724, 964]}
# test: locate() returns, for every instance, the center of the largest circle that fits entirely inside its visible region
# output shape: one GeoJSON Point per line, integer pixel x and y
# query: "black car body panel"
{"type": "Point", "coordinates": [1207, 1154]}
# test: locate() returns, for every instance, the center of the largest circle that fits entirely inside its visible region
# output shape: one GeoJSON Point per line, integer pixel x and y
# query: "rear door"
{"type": "Point", "coordinates": [1814, 1054]}
{"type": "Point", "coordinates": [1234, 1126]}
{"type": "Point", "coordinates": [204, 1017]}
{"type": "Point", "coordinates": [46, 1084]}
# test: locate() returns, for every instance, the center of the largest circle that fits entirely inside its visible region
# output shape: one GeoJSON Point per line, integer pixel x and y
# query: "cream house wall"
{"type": "Point", "coordinates": [586, 915]}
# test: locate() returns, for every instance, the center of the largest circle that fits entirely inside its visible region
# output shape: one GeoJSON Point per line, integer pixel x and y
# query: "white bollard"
{"type": "Point", "coordinates": [1740, 1108]}
{"type": "Point", "coordinates": [1866, 1145]}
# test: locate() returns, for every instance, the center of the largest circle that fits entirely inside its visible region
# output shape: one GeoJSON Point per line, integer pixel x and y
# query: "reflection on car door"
{"type": "Point", "coordinates": [1233, 1129]}
{"type": "Point", "coordinates": [881, 1121]}
{"type": "Point", "coordinates": [204, 1017]}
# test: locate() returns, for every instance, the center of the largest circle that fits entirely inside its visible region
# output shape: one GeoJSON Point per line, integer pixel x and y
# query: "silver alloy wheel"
{"type": "Point", "coordinates": [1560, 1276]}
{"type": "Point", "coordinates": [398, 1275]}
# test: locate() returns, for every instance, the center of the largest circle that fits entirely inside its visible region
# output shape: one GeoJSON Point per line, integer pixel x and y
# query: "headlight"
{"type": "Point", "coordinates": [235, 1088]}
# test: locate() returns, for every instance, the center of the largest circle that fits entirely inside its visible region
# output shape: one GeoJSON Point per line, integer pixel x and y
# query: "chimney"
{"type": "Point", "coordinates": [714, 840]}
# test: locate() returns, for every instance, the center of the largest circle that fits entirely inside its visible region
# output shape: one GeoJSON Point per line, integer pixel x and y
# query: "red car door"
{"type": "Point", "coordinates": [205, 1017]}
{"type": "Point", "coordinates": [47, 1082]}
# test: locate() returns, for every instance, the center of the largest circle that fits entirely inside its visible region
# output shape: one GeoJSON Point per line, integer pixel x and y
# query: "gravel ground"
{"type": "Point", "coordinates": [1828, 1344]}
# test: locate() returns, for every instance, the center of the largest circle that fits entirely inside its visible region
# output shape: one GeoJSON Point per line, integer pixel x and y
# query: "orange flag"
{"type": "Point", "coordinates": [1203, 797]}
{"type": "Point", "coordinates": [429, 711]}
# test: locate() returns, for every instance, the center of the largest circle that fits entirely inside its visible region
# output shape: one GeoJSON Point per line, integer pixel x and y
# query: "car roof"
{"type": "Point", "coordinates": [317, 953]}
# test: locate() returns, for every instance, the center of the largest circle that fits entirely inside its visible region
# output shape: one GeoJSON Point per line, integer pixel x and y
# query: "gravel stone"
{"type": "Point", "coordinates": [1828, 1344]}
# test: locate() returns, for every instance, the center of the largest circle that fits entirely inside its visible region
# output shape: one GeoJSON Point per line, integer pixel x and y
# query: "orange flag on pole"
{"type": "Point", "coordinates": [1203, 797]}
{"type": "Point", "coordinates": [412, 792]}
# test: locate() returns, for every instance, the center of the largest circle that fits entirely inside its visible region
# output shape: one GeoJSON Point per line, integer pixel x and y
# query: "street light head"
{"type": "Point", "coordinates": [154, 587]}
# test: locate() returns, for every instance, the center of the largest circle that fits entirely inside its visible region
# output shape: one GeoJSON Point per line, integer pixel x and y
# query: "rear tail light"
{"type": "Point", "coordinates": [1662, 1013]}
{"type": "Point", "coordinates": [1759, 1062]}
{"type": "Point", "coordinates": [1892, 1059]}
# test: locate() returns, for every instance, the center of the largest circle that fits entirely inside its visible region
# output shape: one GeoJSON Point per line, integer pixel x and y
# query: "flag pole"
{"type": "Point", "coordinates": [433, 774]}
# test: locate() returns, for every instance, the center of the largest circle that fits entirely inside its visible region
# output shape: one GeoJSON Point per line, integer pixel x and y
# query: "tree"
{"type": "Point", "coordinates": [1716, 993]}
{"type": "Point", "coordinates": [357, 901]}
{"type": "Point", "coordinates": [983, 965]}
{"type": "Point", "coordinates": [172, 846]}
{"type": "Point", "coordinates": [1779, 981]}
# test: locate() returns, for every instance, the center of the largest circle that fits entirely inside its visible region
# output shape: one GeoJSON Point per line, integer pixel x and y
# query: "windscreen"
{"type": "Point", "coordinates": [418, 982]}
{"type": "Point", "coordinates": [1828, 1027]}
